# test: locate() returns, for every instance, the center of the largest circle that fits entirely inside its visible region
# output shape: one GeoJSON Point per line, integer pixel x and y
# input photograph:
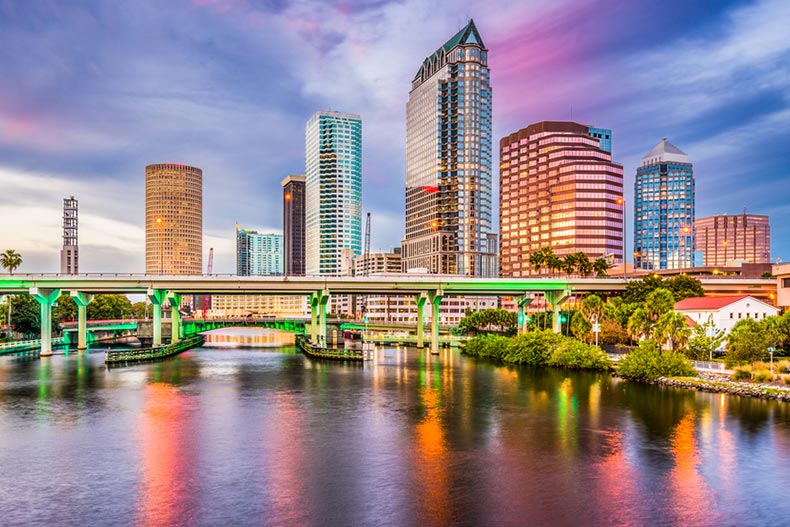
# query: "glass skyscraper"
{"type": "Point", "coordinates": [448, 161]}
{"type": "Point", "coordinates": [664, 210]}
{"type": "Point", "coordinates": [333, 190]}
{"type": "Point", "coordinates": [293, 224]}
{"type": "Point", "coordinates": [258, 254]}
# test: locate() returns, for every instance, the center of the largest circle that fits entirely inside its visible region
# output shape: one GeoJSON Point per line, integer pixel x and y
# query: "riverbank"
{"type": "Point", "coordinates": [720, 384]}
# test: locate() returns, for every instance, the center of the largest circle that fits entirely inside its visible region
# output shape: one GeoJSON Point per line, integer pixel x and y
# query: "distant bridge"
{"type": "Point", "coordinates": [423, 288]}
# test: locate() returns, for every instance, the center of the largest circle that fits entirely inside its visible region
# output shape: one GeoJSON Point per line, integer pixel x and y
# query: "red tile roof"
{"type": "Point", "coordinates": [689, 322]}
{"type": "Point", "coordinates": [707, 303]}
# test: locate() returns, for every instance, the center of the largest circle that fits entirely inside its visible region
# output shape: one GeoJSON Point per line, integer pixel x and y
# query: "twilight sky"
{"type": "Point", "coordinates": [92, 91]}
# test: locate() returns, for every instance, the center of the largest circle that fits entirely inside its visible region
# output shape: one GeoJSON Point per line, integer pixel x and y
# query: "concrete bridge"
{"type": "Point", "coordinates": [46, 289]}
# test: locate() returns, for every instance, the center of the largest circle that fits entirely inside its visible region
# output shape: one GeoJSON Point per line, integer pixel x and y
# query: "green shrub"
{"type": "Point", "coordinates": [785, 379]}
{"type": "Point", "coordinates": [742, 373]}
{"type": "Point", "coordinates": [763, 376]}
{"type": "Point", "coordinates": [647, 362]}
{"type": "Point", "coordinates": [571, 353]}
{"type": "Point", "coordinates": [532, 348]}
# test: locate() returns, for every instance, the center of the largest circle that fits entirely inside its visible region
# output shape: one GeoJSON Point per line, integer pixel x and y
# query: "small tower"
{"type": "Point", "coordinates": [69, 255]}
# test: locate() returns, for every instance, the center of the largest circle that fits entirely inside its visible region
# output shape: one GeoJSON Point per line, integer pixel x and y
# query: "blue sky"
{"type": "Point", "coordinates": [92, 91]}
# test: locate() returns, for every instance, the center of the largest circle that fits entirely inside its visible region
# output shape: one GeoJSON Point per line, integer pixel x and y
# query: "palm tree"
{"type": "Point", "coordinates": [537, 260]}
{"type": "Point", "coordinates": [639, 325]}
{"type": "Point", "coordinates": [600, 267]}
{"type": "Point", "coordinates": [673, 329]}
{"type": "Point", "coordinates": [583, 264]}
{"type": "Point", "coordinates": [10, 260]}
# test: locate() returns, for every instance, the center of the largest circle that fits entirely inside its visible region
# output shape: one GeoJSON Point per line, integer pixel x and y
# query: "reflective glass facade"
{"type": "Point", "coordinates": [448, 161]}
{"type": "Point", "coordinates": [294, 224]}
{"type": "Point", "coordinates": [664, 210]}
{"type": "Point", "coordinates": [558, 188]}
{"type": "Point", "coordinates": [258, 254]}
{"type": "Point", "coordinates": [733, 238]}
{"type": "Point", "coordinates": [333, 190]}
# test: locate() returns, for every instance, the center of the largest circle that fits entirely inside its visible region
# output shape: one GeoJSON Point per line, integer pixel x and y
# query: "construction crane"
{"type": "Point", "coordinates": [209, 270]}
{"type": "Point", "coordinates": [366, 258]}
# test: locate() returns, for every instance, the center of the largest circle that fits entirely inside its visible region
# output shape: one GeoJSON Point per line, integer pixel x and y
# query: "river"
{"type": "Point", "coordinates": [249, 432]}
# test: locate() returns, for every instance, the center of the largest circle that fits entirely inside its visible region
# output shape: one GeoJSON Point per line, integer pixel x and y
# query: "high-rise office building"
{"type": "Point", "coordinates": [69, 255]}
{"type": "Point", "coordinates": [448, 161]}
{"type": "Point", "coordinates": [173, 219]}
{"type": "Point", "coordinates": [733, 238]}
{"type": "Point", "coordinates": [293, 225]}
{"type": "Point", "coordinates": [664, 210]}
{"type": "Point", "coordinates": [558, 188]}
{"type": "Point", "coordinates": [258, 254]}
{"type": "Point", "coordinates": [333, 190]}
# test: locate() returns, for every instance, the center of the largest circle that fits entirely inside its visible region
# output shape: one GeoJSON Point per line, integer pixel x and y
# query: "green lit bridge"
{"type": "Point", "coordinates": [46, 289]}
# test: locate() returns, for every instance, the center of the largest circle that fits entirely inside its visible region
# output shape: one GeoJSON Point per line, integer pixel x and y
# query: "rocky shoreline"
{"type": "Point", "coordinates": [720, 384]}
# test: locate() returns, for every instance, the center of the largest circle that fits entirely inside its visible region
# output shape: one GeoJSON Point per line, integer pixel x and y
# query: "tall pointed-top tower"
{"type": "Point", "coordinates": [448, 161]}
{"type": "Point", "coordinates": [664, 209]}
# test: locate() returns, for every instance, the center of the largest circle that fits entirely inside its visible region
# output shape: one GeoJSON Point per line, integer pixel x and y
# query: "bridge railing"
{"type": "Point", "coordinates": [24, 344]}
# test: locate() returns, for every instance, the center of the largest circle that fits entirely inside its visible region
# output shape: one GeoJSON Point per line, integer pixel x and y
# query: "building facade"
{"type": "Point", "coordinates": [173, 219]}
{"type": "Point", "coordinates": [245, 305]}
{"type": "Point", "coordinates": [367, 264]}
{"type": "Point", "coordinates": [664, 210]}
{"type": "Point", "coordinates": [724, 239]}
{"type": "Point", "coordinates": [448, 160]}
{"type": "Point", "coordinates": [558, 187]}
{"type": "Point", "coordinates": [258, 254]}
{"type": "Point", "coordinates": [333, 190]}
{"type": "Point", "coordinates": [69, 255]}
{"type": "Point", "coordinates": [722, 313]}
{"type": "Point", "coordinates": [294, 225]}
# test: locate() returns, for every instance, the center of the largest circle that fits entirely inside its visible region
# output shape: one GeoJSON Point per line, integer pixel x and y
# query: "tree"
{"type": "Point", "coordinates": [10, 260]}
{"type": "Point", "coordinates": [583, 264]}
{"type": "Point", "coordinates": [684, 286]}
{"type": "Point", "coordinates": [139, 310]}
{"type": "Point", "coordinates": [28, 312]}
{"type": "Point", "coordinates": [600, 267]}
{"type": "Point", "coordinates": [748, 341]}
{"type": "Point", "coordinates": [580, 327]}
{"type": "Point", "coordinates": [537, 260]}
{"type": "Point", "coordinates": [657, 303]}
{"type": "Point", "coordinates": [637, 290]}
{"type": "Point", "coordinates": [705, 339]}
{"type": "Point", "coordinates": [673, 329]}
{"type": "Point", "coordinates": [108, 307]}
{"type": "Point", "coordinates": [639, 325]}
{"type": "Point", "coordinates": [65, 311]}
{"type": "Point", "coordinates": [592, 308]}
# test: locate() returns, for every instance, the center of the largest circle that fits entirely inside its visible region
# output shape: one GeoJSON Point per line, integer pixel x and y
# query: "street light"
{"type": "Point", "coordinates": [161, 245]}
{"type": "Point", "coordinates": [771, 351]}
{"type": "Point", "coordinates": [621, 202]}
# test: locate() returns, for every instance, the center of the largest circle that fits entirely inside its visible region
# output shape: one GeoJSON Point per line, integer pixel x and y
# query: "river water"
{"type": "Point", "coordinates": [233, 434]}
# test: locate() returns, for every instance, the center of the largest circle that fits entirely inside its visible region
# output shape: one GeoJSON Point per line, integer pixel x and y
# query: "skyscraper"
{"type": "Point", "coordinates": [69, 255]}
{"type": "Point", "coordinates": [333, 190]}
{"type": "Point", "coordinates": [293, 224]}
{"type": "Point", "coordinates": [664, 210]}
{"type": "Point", "coordinates": [558, 188]}
{"type": "Point", "coordinates": [737, 237]}
{"type": "Point", "coordinates": [448, 160]}
{"type": "Point", "coordinates": [258, 254]}
{"type": "Point", "coordinates": [173, 219]}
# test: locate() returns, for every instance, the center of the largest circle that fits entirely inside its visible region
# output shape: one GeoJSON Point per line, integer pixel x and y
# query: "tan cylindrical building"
{"type": "Point", "coordinates": [173, 219]}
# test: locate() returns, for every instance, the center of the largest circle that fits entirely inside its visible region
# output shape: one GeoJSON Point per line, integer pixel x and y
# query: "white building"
{"type": "Point", "coordinates": [724, 311]}
{"type": "Point", "coordinates": [243, 305]}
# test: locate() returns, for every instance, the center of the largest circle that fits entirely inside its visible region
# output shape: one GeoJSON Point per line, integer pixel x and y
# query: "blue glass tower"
{"type": "Point", "coordinates": [333, 190]}
{"type": "Point", "coordinates": [664, 210]}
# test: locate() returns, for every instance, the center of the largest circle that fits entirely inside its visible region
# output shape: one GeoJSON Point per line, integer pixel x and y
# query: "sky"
{"type": "Point", "coordinates": [93, 91]}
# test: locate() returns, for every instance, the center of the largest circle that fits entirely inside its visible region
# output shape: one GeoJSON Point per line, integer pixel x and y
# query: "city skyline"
{"type": "Point", "coordinates": [91, 104]}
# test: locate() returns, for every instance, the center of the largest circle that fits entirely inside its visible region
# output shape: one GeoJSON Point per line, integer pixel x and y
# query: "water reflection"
{"type": "Point", "coordinates": [238, 436]}
{"type": "Point", "coordinates": [248, 337]}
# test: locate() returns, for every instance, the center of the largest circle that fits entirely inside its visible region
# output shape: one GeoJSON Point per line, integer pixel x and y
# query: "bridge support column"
{"type": "Point", "coordinates": [313, 300]}
{"type": "Point", "coordinates": [436, 299]}
{"type": "Point", "coordinates": [323, 298]}
{"type": "Point", "coordinates": [82, 300]}
{"type": "Point", "coordinates": [157, 297]}
{"type": "Point", "coordinates": [522, 302]}
{"type": "Point", "coordinates": [420, 301]}
{"type": "Point", "coordinates": [45, 298]}
{"type": "Point", "coordinates": [175, 317]}
{"type": "Point", "coordinates": [555, 298]}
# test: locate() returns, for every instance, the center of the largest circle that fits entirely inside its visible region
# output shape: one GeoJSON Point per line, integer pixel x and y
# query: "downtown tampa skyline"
{"type": "Point", "coordinates": [94, 92]}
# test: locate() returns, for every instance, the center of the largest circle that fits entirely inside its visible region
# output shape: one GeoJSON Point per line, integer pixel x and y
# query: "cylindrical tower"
{"type": "Point", "coordinates": [173, 219]}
